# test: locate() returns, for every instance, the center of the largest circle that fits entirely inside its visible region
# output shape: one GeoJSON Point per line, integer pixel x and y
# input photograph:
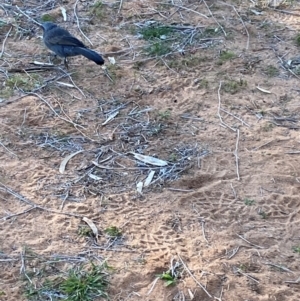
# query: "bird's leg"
{"type": "Point", "coordinates": [66, 63]}
{"type": "Point", "coordinates": [52, 56]}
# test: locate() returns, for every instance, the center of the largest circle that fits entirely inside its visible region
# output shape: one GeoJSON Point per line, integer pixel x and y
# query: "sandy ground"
{"type": "Point", "coordinates": [226, 209]}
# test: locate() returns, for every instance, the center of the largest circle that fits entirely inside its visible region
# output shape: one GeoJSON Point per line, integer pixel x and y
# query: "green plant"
{"type": "Point", "coordinates": [267, 127]}
{"type": "Point", "coordinates": [173, 157]}
{"type": "Point", "coordinates": [85, 231]}
{"type": "Point", "coordinates": [155, 129]}
{"type": "Point", "coordinates": [48, 18]}
{"type": "Point", "coordinates": [249, 202]}
{"type": "Point", "coordinates": [113, 231]}
{"type": "Point", "coordinates": [243, 267]}
{"type": "Point", "coordinates": [271, 71]}
{"type": "Point", "coordinates": [158, 48]}
{"type": "Point", "coordinates": [97, 9]}
{"type": "Point", "coordinates": [47, 287]}
{"type": "Point", "coordinates": [152, 32]}
{"type": "Point", "coordinates": [188, 62]}
{"type": "Point", "coordinates": [203, 83]}
{"type": "Point", "coordinates": [138, 65]}
{"type": "Point", "coordinates": [225, 56]}
{"type": "Point", "coordinates": [164, 114]}
{"type": "Point", "coordinates": [81, 285]}
{"type": "Point", "coordinates": [210, 32]}
{"type": "Point", "coordinates": [168, 278]}
{"type": "Point", "coordinates": [45, 280]}
{"type": "Point", "coordinates": [6, 92]}
{"type": "Point", "coordinates": [297, 39]}
{"type": "Point", "coordinates": [234, 86]}
{"type": "Point", "coordinates": [113, 71]}
{"type": "Point", "coordinates": [24, 82]}
{"type": "Point", "coordinates": [263, 215]}
{"type": "Point", "coordinates": [296, 249]}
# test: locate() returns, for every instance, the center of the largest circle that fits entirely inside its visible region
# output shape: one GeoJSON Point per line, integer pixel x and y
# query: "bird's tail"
{"type": "Point", "coordinates": [91, 55]}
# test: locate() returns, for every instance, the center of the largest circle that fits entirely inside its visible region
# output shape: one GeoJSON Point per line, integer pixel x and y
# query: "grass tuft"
{"type": "Point", "coordinates": [160, 32]}
{"type": "Point", "coordinates": [78, 285]}
{"type": "Point", "coordinates": [113, 231]}
{"type": "Point", "coordinates": [249, 202]}
{"type": "Point", "coordinates": [158, 48]}
{"type": "Point", "coordinates": [297, 39]}
{"type": "Point", "coordinates": [225, 56]}
{"type": "Point", "coordinates": [164, 115]}
{"type": "Point", "coordinates": [234, 86]}
{"type": "Point", "coordinates": [168, 278]}
{"type": "Point", "coordinates": [85, 231]}
{"type": "Point", "coordinates": [271, 71]}
{"type": "Point", "coordinates": [24, 82]}
{"type": "Point", "coordinates": [296, 249]}
{"type": "Point", "coordinates": [81, 285]}
{"type": "Point", "coordinates": [48, 18]}
{"type": "Point", "coordinates": [97, 9]}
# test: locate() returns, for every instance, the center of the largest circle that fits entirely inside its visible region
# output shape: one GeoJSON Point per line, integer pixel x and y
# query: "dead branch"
{"type": "Point", "coordinates": [190, 273]}
{"type": "Point", "coordinates": [31, 203]}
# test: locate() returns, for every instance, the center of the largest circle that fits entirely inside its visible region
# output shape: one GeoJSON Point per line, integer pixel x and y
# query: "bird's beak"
{"type": "Point", "coordinates": [41, 25]}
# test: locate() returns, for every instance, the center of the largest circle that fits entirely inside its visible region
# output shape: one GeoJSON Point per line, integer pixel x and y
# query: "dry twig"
{"type": "Point", "coordinates": [279, 267]}
{"type": "Point", "coordinates": [17, 214]}
{"type": "Point", "coordinates": [4, 41]}
{"type": "Point", "coordinates": [203, 230]}
{"type": "Point", "coordinates": [37, 23]}
{"type": "Point", "coordinates": [214, 18]}
{"type": "Point", "coordinates": [29, 202]}
{"type": "Point", "coordinates": [236, 154]}
{"type": "Point", "coordinates": [238, 118]}
{"type": "Point", "coordinates": [187, 9]}
{"type": "Point", "coordinates": [234, 252]}
{"type": "Point", "coordinates": [120, 7]}
{"type": "Point", "coordinates": [11, 152]}
{"type": "Point", "coordinates": [78, 25]}
{"type": "Point", "coordinates": [190, 273]}
{"type": "Point", "coordinates": [55, 113]}
{"type": "Point", "coordinates": [152, 286]}
{"type": "Point", "coordinates": [250, 243]}
{"type": "Point", "coordinates": [219, 298]}
{"type": "Point", "coordinates": [219, 109]}
{"type": "Point", "coordinates": [248, 36]}
{"type": "Point", "coordinates": [233, 190]}
{"type": "Point", "coordinates": [293, 281]}
{"type": "Point", "coordinates": [247, 275]}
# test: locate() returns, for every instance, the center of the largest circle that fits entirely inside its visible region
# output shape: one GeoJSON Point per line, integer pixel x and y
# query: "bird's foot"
{"type": "Point", "coordinates": [66, 63]}
{"type": "Point", "coordinates": [53, 58]}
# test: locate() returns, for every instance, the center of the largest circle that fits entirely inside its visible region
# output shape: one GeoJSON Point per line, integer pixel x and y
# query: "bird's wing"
{"type": "Point", "coordinates": [66, 40]}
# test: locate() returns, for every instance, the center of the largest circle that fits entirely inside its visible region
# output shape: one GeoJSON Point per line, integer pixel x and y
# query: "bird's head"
{"type": "Point", "coordinates": [48, 25]}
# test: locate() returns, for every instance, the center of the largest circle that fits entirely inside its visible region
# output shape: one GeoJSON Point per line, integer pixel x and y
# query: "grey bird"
{"type": "Point", "coordinates": [63, 44]}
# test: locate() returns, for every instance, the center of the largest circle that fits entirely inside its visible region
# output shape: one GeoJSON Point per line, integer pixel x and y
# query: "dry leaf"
{"type": "Point", "coordinates": [149, 178]}
{"type": "Point", "coordinates": [139, 187]}
{"type": "Point", "coordinates": [42, 64]}
{"type": "Point", "coordinates": [263, 90]}
{"type": "Point", "coordinates": [112, 60]}
{"type": "Point", "coordinates": [112, 116]}
{"type": "Point", "coordinates": [191, 294]}
{"type": "Point", "coordinates": [64, 13]}
{"type": "Point", "coordinates": [94, 177]}
{"type": "Point", "coordinates": [91, 225]}
{"type": "Point", "coordinates": [150, 160]}
{"type": "Point", "coordinates": [65, 84]}
{"type": "Point", "coordinates": [65, 161]}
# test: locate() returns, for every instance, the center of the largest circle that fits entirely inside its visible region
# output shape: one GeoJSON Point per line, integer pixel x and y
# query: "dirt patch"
{"type": "Point", "coordinates": [209, 91]}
